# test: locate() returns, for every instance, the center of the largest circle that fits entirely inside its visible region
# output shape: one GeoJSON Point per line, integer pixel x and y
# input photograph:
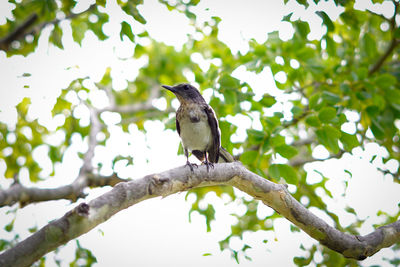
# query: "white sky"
{"type": "Point", "coordinates": [157, 232]}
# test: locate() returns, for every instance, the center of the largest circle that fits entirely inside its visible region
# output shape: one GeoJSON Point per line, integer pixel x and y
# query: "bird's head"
{"type": "Point", "coordinates": [185, 93]}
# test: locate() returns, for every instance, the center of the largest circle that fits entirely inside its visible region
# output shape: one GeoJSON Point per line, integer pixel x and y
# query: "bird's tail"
{"type": "Point", "coordinates": [225, 156]}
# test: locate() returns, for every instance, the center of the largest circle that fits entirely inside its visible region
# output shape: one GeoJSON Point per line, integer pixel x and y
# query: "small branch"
{"type": "Point", "coordinates": [379, 15]}
{"type": "Point", "coordinates": [18, 32]}
{"type": "Point", "coordinates": [393, 44]}
{"type": "Point", "coordinates": [86, 216]}
{"type": "Point", "coordinates": [22, 31]}
{"type": "Point", "coordinates": [395, 175]}
{"type": "Point", "coordinates": [95, 128]}
{"type": "Point", "coordinates": [148, 115]}
{"type": "Point", "coordinates": [100, 181]}
{"type": "Point", "coordinates": [39, 27]}
{"type": "Point", "coordinates": [305, 141]}
{"type": "Point", "coordinates": [300, 161]}
{"type": "Point", "coordinates": [133, 108]}
{"type": "Point", "coordinates": [18, 193]}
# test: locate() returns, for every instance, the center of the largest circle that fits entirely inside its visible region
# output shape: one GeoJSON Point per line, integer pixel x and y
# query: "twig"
{"type": "Point", "coordinates": [136, 107]}
{"type": "Point", "coordinates": [300, 161]}
{"type": "Point", "coordinates": [148, 115]}
{"type": "Point", "coordinates": [18, 32]}
{"type": "Point", "coordinates": [393, 44]}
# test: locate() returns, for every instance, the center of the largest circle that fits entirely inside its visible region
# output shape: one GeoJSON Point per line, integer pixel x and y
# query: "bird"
{"type": "Point", "coordinates": [198, 128]}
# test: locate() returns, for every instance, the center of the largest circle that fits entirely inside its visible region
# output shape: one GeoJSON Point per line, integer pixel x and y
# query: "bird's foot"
{"type": "Point", "coordinates": [208, 164]}
{"type": "Point", "coordinates": [191, 165]}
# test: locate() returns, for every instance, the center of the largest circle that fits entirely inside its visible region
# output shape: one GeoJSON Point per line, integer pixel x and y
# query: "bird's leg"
{"type": "Point", "coordinates": [187, 161]}
{"type": "Point", "coordinates": [207, 163]}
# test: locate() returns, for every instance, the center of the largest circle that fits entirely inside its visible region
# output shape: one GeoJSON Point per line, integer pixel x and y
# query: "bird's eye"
{"type": "Point", "coordinates": [186, 87]}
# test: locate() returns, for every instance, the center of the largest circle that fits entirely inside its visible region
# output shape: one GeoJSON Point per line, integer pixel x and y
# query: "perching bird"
{"type": "Point", "coordinates": [197, 126]}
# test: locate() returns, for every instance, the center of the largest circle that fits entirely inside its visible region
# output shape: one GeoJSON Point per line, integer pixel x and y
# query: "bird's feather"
{"type": "Point", "coordinates": [213, 151]}
{"type": "Point", "coordinates": [178, 128]}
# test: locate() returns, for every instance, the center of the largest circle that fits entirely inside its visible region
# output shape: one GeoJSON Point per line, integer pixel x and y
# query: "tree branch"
{"type": "Point", "coordinates": [18, 32]}
{"type": "Point", "coordinates": [132, 108]}
{"type": "Point", "coordinates": [18, 193]}
{"type": "Point", "coordinates": [393, 44]}
{"type": "Point", "coordinates": [300, 161]}
{"type": "Point", "coordinates": [26, 195]}
{"type": "Point", "coordinates": [85, 217]}
{"type": "Point", "coordinates": [22, 30]}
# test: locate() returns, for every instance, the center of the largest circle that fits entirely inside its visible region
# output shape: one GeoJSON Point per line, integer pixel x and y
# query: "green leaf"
{"type": "Point", "coordinates": [393, 94]}
{"type": "Point", "coordinates": [9, 227]}
{"type": "Point", "coordinates": [377, 129]}
{"type": "Point", "coordinates": [209, 213]}
{"type": "Point", "coordinates": [326, 20]}
{"type": "Point", "coordinates": [267, 101]}
{"type": "Point", "coordinates": [330, 98]}
{"type": "Point", "coordinates": [97, 27]}
{"type": "Point", "coordinates": [277, 140]}
{"type": "Point", "coordinates": [286, 151]}
{"type": "Point", "coordinates": [349, 141]}
{"type": "Point", "coordinates": [127, 31]}
{"type": "Point", "coordinates": [313, 120]}
{"type": "Point", "coordinates": [369, 45]}
{"type": "Point", "coordinates": [228, 82]}
{"type": "Point", "coordinates": [278, 171]}
{"type": "Point", "coordinates": [330, 46]}
{"type": "Point", "coordinates": [372, 111]}
{"type": "Point", "coordinates": [315, 101]}
{"type": "Point", "coordinates": [131, 9]}
{"type": "Point", "coordinates": [385, 80]}
{"type": "Point", "coordinates": [230, 96]}
{"type": "Point", "coordinates": [345, 88]}
{"type": "Point", "coordinates": [328, 136]}
{"type": "Point", "coordinates": [302, 28]}
{"type": "Point", "coordinates": [199, 77]}
{"type": "Point", "coordinates": [287, 17]}
{"type": "Point", "coordinates": [297, 111]}
{"type": "Point", "coordinates": [255, 136]}
{"type": "Point", "coordinates": [79, 29]}
{"type": "Point", "coordinates": [303, 2]}
{"type": "Point", "coordinates": [327, 114]}
{"type": "Point", "coordinates": [55, 36]}
{"type": "Point", "coordinates": [249, 157]}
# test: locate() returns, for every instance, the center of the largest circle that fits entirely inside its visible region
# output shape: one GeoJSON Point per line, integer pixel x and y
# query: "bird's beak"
{"type": "Point", "coordinates": [170, 88]}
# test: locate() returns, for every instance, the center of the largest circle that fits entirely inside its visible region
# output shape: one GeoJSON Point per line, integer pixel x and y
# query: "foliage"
{"type": "Point", "coordinates": [352, 68]}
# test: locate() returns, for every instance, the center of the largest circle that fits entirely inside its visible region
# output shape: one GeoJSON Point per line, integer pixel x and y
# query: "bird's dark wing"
{"type": "Point", "coordinates": [178, 128]}
{"type": "Point", "coordinates": [213, 151]}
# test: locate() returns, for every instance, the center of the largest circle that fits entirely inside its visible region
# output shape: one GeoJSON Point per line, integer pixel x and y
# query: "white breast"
{"type": "Point", "coordinates": [195, 136]}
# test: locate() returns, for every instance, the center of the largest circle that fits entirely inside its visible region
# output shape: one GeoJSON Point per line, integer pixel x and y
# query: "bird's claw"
{"type": "Point", "coordinates": [208, 164]}
{"type": "Point", "coordinates": [191, 165]}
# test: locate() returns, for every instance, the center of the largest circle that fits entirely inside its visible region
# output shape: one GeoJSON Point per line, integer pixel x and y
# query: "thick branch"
{"type": "Point", "coordinates": [85, 217]}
